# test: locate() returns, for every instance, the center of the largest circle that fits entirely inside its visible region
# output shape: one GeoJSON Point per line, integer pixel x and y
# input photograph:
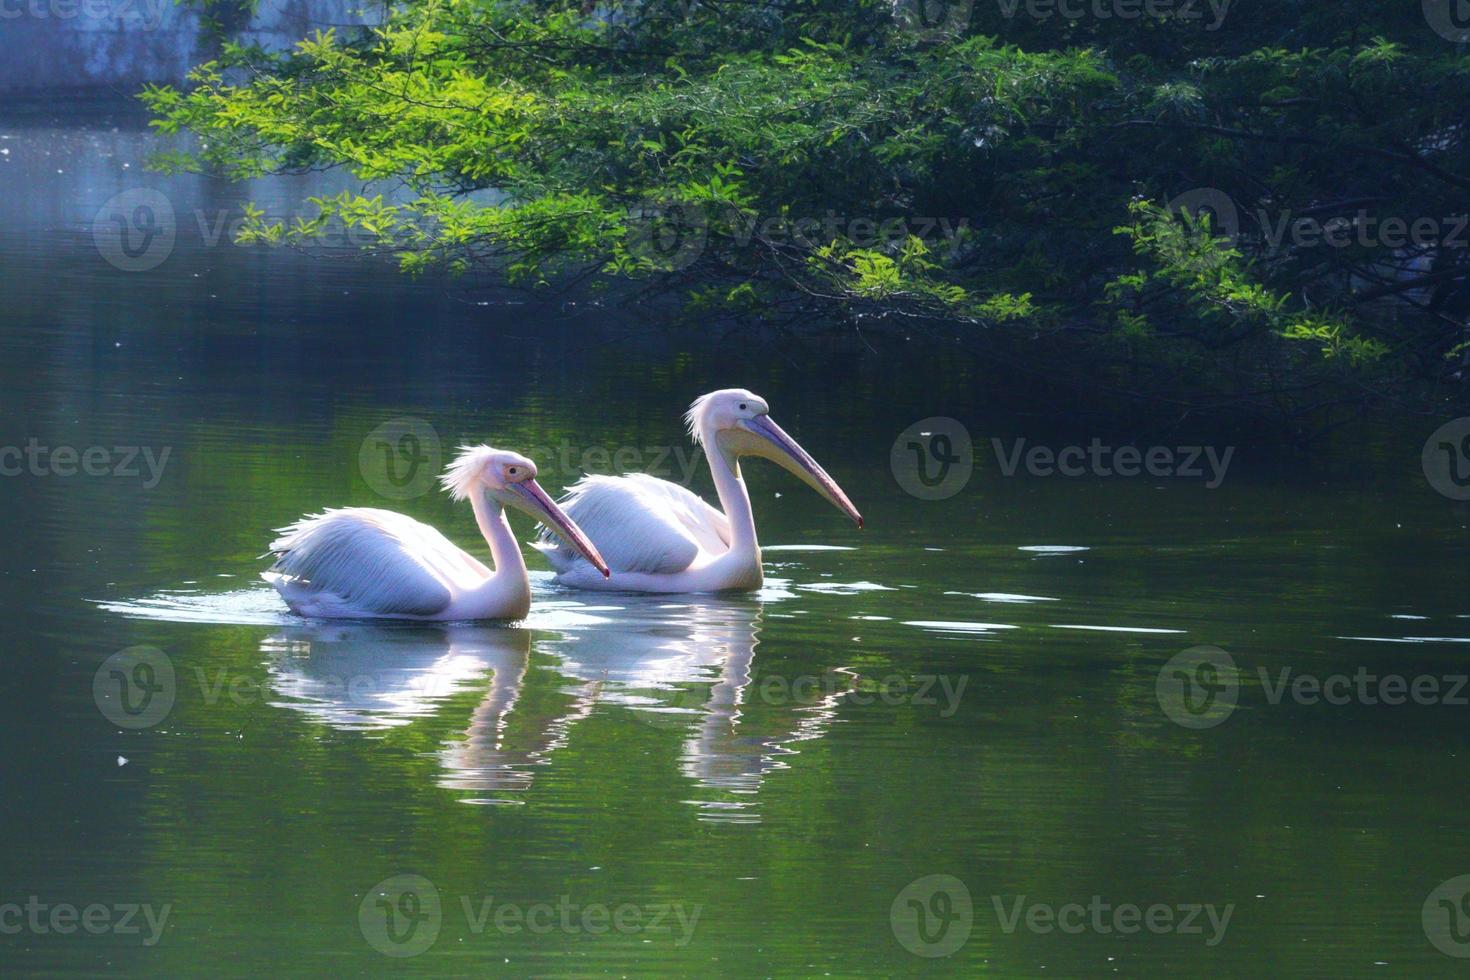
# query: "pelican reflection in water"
{"type": "Point", "coordinates": [682, 664]}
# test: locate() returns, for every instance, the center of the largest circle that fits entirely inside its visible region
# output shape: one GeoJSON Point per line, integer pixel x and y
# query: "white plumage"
{"type": "Point", "coordinates": [360, 562]}
{"type": "Point", "coordinates": [640, 524]}
{"type": "Point", "coordinates": [371, 562]}
{"type": "Point", "coordinates": [659, 537]}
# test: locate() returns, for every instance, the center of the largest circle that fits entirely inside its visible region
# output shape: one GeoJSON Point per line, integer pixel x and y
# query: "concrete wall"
{"type": "Point", "coordinates": [116, 45]}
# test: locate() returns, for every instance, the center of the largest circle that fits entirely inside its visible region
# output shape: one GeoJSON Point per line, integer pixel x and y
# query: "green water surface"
{"type": "Point", "coordinates": [914, 732]}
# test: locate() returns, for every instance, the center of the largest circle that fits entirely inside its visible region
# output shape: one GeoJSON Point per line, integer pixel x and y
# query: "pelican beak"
{"type": "Point", "coordinates": [774, 444]}
{"type": "Point", "coordinates": [529, 497]}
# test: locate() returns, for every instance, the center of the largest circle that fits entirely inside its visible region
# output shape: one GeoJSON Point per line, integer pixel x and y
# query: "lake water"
{"type": "Point", "coordinates": [975, 737]}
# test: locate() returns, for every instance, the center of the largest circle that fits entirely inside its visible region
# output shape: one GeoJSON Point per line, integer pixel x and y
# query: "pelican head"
{"type": "Point", "coordinates": [738, 423]}
{"type": "Point", "coordinates": [510, 479]}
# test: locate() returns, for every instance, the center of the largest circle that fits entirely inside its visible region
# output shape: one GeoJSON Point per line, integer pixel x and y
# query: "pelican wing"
{"type": "Point", "coordinates": [374, 561]}
{"type": "Point", "coordinates": [640, 524]}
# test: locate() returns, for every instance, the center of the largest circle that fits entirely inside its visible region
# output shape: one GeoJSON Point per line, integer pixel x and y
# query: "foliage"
{"type": "Point", "coordinates": [822, 162]}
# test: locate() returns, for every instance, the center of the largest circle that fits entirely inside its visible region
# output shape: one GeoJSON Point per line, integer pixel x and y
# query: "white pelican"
{"type": "Point", "coordinates": [659, 537]}
{"type": "Point", "coordinates": [363, 563]}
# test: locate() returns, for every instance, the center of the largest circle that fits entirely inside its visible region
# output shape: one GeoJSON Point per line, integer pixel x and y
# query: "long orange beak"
{"type": "Point", "coordinates": [540, 506]}
{"type": "Point", "coordinates": [786, 453]}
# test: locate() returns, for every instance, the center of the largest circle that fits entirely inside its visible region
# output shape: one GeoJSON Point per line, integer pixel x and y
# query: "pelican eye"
{"type": "Point", "coordinates": [742, 406]}
{"type": "Point", "coordinates": [512, 471]}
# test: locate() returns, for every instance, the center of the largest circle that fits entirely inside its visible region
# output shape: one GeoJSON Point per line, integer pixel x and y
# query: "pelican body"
{"type": "Point", "coordinates": [659, 537]}
{"type": "Point", "coordinates": [365, 563]}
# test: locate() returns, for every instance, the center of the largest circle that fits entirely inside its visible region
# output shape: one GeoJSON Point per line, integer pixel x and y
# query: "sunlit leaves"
{"type": "Point", "coordinates": [772, 142]}
{"type": "Point", "coordinates": [546, 107]}
{"type": "Point", "coordinates": [1213, 279]}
